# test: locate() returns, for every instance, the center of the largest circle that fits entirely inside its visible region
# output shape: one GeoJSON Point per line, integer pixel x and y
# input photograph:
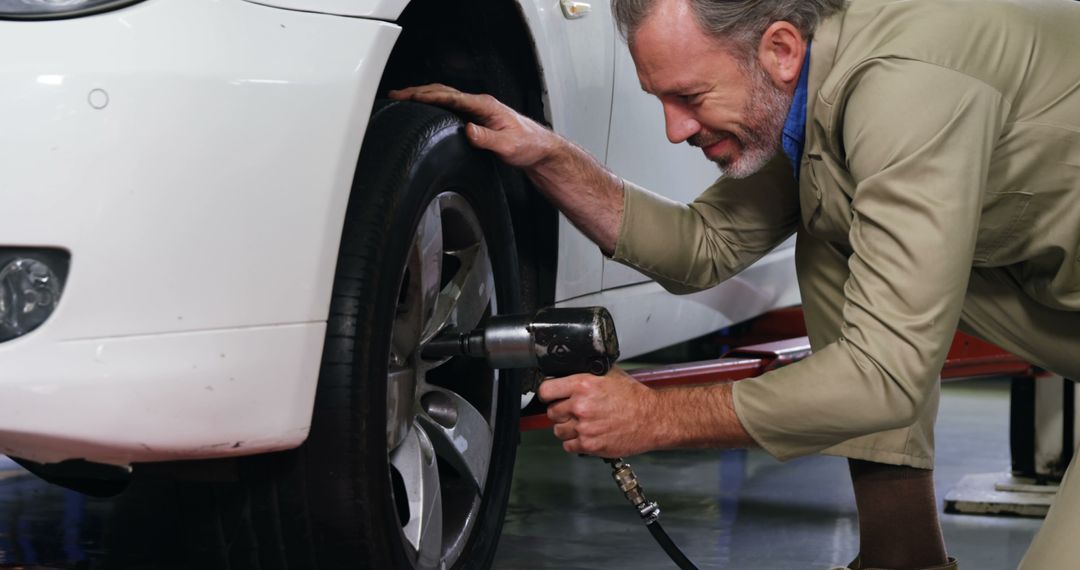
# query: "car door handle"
{"type": "Point", "coordinates": [574, 10]}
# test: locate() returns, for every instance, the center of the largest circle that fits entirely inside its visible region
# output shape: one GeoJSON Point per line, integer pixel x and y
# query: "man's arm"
{"type": "Point", "coordinates": [691, 247]}
{"type": "Point", "coordinates": [684, 247]}
{"type": "Point", "coordinates": [579, 186]}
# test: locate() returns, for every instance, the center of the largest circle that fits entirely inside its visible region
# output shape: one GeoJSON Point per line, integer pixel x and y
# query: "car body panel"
{"type": "Point", "coordinates": [374, 9]}
{"type": "Point", "coordinates": [195, 157]}
{"type": "Point", "coordinates": [192, 395]}
{"type": "Point", "coordinates": [155, 195]}
{"type": "Point", "coordinates": [648, 318]}
{"type": "Point", "coordinates": [576, 57]}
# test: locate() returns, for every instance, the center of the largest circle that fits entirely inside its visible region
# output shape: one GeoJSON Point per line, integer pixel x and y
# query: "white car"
{"type": "Point", "coordinates": [216, 245]}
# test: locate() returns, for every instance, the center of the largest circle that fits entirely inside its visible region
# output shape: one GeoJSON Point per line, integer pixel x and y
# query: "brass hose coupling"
{"type": "Point", "coordinates": [628, 483]}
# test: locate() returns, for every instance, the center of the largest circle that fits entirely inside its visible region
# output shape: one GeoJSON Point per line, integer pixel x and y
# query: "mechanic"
{"type": "Point", "coordinates": [927, 155]}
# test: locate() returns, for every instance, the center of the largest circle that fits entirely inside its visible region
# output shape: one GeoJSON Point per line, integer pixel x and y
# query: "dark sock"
{"type": "Point", "coordinates": [898, 518]}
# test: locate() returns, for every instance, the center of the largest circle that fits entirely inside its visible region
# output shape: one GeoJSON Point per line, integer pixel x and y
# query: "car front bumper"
{"type": "Point", "coordinates": [195, 159]}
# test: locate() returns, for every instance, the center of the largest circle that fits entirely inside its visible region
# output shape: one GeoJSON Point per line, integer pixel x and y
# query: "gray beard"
{"type": "Point", "coordinates": [766, 112]}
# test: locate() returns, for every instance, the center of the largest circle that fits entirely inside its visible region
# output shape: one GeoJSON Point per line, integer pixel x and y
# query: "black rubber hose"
{"type": "Point", "coordinates": [669, 547]}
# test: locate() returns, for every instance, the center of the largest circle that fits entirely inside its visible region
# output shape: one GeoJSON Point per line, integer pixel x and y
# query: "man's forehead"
{"type": "Point", "coordinates": [673, 55]}
{"type": "Point", "coordinates": [668, 33]}
{"type": "Point", "coordinates": [666, 19]}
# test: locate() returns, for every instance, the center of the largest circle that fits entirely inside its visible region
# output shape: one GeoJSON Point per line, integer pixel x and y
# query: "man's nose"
{"type": "Point", "coordinates": [679, 123]}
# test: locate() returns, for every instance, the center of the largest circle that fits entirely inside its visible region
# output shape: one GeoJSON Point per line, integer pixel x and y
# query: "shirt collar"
{"type": "Point", "coordinates": [794, 138]}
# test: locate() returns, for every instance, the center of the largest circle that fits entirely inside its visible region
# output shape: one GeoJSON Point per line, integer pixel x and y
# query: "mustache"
{"type": "Point", "coordinates": [704, 139]}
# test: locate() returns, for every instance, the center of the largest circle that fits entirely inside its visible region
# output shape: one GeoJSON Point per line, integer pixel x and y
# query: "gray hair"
{"type": "Point", "coordinates": [737, 22]}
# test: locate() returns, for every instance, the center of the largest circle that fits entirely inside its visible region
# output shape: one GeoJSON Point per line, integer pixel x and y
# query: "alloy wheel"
{"type": "Point", "coordinates": [440, 414]}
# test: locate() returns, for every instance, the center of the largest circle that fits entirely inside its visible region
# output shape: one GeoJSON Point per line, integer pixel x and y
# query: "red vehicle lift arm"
{"type": "Point", "coordinates": [781, 339]}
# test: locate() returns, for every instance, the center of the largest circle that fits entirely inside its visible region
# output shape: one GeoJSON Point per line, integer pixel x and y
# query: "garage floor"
{"type": "Point", "coordinates": [734, 510]}
{"type": "Point", "coordinates": [744, 510]}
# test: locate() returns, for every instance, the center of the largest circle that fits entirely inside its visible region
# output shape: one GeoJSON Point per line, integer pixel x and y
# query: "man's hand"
{"type": "Point", "coordinates": [616, 416]}
{"type": "Point", "coordinates": [574, 181]}
{"type": "Point", "coordinates": [515, 139]}
{"type": "Point", "coordinates": [606, 416]}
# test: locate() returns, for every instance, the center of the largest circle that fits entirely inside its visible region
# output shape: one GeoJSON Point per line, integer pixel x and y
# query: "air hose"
{"type": "Point", "coordinates": [649, 511]}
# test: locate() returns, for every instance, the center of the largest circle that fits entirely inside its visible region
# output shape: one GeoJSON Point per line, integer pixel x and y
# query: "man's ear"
{"type": "Point", "coordinates": [781, 53]}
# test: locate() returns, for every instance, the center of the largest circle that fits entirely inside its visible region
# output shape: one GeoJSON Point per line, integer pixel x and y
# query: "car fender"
{"type": "Point", "coordinates": [388, 10]}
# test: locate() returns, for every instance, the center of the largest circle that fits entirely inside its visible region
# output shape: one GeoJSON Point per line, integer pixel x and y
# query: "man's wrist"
{"type": "Point", "coordinates": [555, 154]}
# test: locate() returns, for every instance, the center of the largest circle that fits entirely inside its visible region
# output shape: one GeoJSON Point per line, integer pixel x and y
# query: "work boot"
{"type": "Point", "coordinates": [952, 564]}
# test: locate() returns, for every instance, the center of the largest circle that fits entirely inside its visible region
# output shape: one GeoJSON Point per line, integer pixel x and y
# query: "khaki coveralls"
{"type": "Point", "coordinates": [940, 186]}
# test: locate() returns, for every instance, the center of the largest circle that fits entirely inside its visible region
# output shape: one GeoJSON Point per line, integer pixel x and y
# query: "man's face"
{"type": "Point", "coordinates": [734, 113]}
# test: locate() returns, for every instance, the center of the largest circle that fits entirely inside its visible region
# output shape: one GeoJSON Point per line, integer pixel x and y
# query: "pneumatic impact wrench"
{"type": "Point", "coordinates": [558, 342]}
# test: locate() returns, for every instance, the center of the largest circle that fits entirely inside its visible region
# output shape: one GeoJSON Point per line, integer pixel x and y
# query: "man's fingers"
{"type": "Point", "coordinates": [432, 95]}
{"type": "Point", "coordinates": [565, 431]}
{"type": "Point", "coordinates": [410, 92]}
{"type": "Point", "coordinates": [425, 93]}
{"type": "Point", "coordinates": [481, 137]}
{"type": "Point", "coordinates": [515, 139]}
{"type": "Point", "coordinates": [560, 411]}
{"type": "Point", "coordinates": [482, 107]}
{"type": "Point", "coordinates": [556, 389]}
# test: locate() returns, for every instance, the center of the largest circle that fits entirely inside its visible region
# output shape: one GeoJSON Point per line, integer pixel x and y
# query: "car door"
{"type": "Point", "coordinates": [575, 43]}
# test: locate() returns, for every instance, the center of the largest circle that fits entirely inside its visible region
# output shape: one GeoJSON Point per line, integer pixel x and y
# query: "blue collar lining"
{"type": "Point", "coordinates": [794, 138]}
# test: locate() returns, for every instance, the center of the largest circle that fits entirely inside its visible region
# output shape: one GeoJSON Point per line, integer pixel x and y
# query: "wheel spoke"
{"type": "Point", "coordinates": [464, 300]}
{"type": "Point", "coordinates": [405, 336]}
{"type": "Point", "coordinates": [400, 398]}
{"type": "Point", "coordinates": [460, 433]}
{"type": "Point", "coordinates": [476, 283]}
{"type": "Point", "coordinates": [415, 461]}
{"type": "Point", "coordinates": [429, 245]}
{"type": "Point", "coordinates": [420, 285]}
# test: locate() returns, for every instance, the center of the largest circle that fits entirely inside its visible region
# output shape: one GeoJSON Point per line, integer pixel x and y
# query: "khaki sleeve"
{"type": "Point", "coordinates": [690, 247]}
{"type": "Point", "coordinates": [919, 140]}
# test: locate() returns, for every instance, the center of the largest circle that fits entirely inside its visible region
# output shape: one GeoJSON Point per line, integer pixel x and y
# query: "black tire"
{"type": "Point", "coordinates": [338, 502]}
{"type": "Point", "coordinates": [412, 155]}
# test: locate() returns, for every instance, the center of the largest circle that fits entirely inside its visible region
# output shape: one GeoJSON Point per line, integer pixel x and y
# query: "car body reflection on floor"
{"type": "Point", "coordinates": [43, 526]}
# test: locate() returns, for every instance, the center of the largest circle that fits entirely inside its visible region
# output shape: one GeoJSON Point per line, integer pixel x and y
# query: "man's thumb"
{"type": "Point", "coordinates": [480, 137]}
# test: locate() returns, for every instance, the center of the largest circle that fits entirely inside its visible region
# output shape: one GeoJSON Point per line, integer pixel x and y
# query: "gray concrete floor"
{"type": "Point", "coordinates": [739, 510]}
{"type": "Point", "coordinates": [744, 510]}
